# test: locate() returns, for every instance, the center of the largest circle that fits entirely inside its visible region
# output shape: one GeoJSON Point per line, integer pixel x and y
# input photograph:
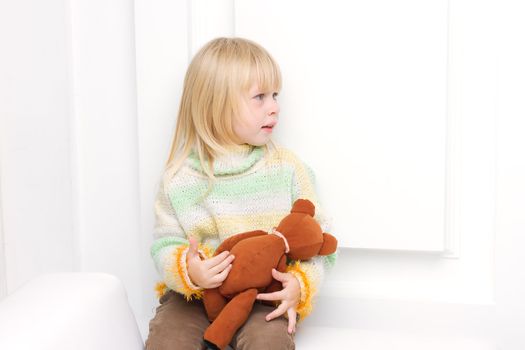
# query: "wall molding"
{"type": "Point", "coordinates": [3, 271]}
{"type": "Point", "coordinates": [453, 161]}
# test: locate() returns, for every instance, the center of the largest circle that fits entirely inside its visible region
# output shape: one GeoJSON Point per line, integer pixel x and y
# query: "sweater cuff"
{"type": "Point", "coordinates": [176, 274]}
{"type": "Point", "coordinates": [304, 308]}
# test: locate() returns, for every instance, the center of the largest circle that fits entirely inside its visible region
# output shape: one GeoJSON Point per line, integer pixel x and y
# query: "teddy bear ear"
{"type": "Point", "coordinates": [329, 244]}
{"type": "Point", "coordinates": [303, 206]}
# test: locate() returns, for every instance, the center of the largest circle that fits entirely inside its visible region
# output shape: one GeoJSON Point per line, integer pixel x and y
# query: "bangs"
{"type": "Point", "coordinates": [266, 73]}
{"type": "Point", "coordinates": [255, 65]}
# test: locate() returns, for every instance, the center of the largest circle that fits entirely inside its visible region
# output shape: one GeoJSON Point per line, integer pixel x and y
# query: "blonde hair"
{"type": "Point", "coordinates": [219, 73]}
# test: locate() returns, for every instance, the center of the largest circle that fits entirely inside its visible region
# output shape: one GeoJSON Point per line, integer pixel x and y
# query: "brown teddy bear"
{"type": "Point", "coordinates": [298, 237]}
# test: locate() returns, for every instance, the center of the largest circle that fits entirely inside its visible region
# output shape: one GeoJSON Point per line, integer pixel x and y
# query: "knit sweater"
{"type": "Point", "coordinates": [254, 190]}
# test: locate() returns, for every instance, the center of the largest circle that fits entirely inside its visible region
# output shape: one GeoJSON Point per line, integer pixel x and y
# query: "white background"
{"type": "Point", "coordinates": [410, 113]}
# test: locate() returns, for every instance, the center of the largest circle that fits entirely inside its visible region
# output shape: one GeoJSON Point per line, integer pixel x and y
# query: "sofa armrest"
{"type": "Point", "coordinates": [62, 311]}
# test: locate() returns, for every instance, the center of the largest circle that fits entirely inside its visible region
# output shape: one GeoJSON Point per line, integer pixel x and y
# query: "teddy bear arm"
{"type": "Point", "coordinates": [228, 244]}
{"type": "Point", "coordinates": [275, 285]}
{"type": "Point", "coordinates": [281, 266]}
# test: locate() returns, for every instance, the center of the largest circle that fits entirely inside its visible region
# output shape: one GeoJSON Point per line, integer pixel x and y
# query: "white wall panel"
{"type": "Point", "coordinates": [34, 135]}
{"type": "Point", "coordinates": [105, 157]}
{"type": "Point", "coordinates": [367, 82]}
{"type": "Point", "coordinates": [467, 275]}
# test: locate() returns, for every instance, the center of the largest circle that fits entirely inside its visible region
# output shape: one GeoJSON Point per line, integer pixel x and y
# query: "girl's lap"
{"type": "Point", "coordinates": [179, 324]}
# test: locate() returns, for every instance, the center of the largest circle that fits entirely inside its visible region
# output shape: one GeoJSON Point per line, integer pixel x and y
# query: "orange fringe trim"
{"type": "Point", "coordinates": [188, 292]}
{"type": "Point", "coordinates": [206, 250]}
{"type": "Point", "coordinates": [160, 289]}
{"type": "Point", "coordinates": [305, 304]}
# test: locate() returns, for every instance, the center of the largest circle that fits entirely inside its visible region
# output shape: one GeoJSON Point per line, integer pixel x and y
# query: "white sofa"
{"type": "Point", "coordinates": [65, 311]}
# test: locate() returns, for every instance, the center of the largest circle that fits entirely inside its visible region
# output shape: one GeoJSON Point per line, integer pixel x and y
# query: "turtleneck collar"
{"type": "Point", "coordinates": [239, 159]}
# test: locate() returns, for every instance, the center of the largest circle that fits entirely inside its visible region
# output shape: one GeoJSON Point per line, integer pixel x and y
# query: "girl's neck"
{"type": "Point", "coordinates": [238, 158]}
{"type": "Point", "coordinates": [238, 150]}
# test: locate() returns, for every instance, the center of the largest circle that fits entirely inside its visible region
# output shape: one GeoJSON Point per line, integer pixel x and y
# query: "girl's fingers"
{"type": "Point", "coordinates": [292, 319]}
{"type": "Point", "coordinates": [277, 312]}
{"type": "Point", "coordinates": [280, 276]}
{"type": "Point", "coordinates": [279, 295]}
{"type": "Point", "coordinates": [217, 259]}
{"type": "Point", "coordinates": [220, 277]}
{"type": "Point", "coordinates": [222, 265]}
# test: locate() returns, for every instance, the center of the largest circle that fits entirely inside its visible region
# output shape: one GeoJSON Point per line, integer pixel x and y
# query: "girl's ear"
{"type": "Point", "coordinates": [329, 244]}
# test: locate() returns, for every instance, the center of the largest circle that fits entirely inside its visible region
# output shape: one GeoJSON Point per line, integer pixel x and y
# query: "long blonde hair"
{"type": "Point", "coordinates": [218, 74]}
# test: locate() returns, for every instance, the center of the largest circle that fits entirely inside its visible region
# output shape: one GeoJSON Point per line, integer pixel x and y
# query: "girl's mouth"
{"type": "Point", "coordinates": [269, 126]}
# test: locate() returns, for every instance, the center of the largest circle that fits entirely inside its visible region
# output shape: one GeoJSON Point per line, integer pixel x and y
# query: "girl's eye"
{"type": "Point", "coordinates": [275, 94]}
{"type": "Point", "coordinates": [259, 97]}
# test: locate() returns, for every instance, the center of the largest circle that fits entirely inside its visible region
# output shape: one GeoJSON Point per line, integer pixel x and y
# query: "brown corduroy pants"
{"type": "Point", "coordinates": [180, 325]}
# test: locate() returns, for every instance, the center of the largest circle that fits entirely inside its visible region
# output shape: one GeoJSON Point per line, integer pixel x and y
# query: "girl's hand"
{"type": "Point", "coordinates": [290, 296]}
{"type": "Point", "coordinates": [209, 273]}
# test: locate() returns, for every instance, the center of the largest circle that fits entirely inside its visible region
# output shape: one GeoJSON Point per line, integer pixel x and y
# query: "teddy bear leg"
{"type": "Point", "coordinates": [232, 317]}
{"type": "Point", "coordinates": [214, 302]}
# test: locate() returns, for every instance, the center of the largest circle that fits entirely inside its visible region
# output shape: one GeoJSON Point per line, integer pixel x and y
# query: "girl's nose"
{"type": "Point", "coordinates": [274, 108]}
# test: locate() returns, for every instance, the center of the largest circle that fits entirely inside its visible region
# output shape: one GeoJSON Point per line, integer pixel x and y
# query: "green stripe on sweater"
{"type": "Point", "coordinates": [331, 259]}
{"type": "Point", "coordinates": [165, 242]}
{"type": "Point", "coordinates": [183, 197]}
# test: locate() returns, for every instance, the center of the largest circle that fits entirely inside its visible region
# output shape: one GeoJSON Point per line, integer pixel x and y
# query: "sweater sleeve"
{"type": "Point", "coordinates": [169, 249]}
{"type": "Point", "coordinates": [310, 273]}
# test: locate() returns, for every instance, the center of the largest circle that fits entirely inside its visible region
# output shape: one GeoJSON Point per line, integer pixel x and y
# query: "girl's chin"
{"type": "Point", "coordinates": [260, 142]}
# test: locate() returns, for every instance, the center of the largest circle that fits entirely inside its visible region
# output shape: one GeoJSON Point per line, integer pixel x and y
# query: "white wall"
{"type": "Point", "coordinates": [371, 79]}
{"type": "Point", "coordinates": [35, 111]}
{"type": "Point", "coordinates": [3, 280]}
{"type": "Point", "coordinates": [162, 53]}
{"type": "Point", "coordinates": [105, 143]}
{"type": "Point", "coordinates": [69, 181]}
{"type": "Point", "coordinates": [426, 97]}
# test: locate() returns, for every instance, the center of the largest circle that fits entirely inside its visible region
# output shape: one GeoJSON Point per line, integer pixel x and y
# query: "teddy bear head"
{"type": "Point", "coordinates": [304, 234]}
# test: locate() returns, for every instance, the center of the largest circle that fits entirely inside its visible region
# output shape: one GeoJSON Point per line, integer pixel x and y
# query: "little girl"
{"type": "Point", "coordinates": [224, 176]}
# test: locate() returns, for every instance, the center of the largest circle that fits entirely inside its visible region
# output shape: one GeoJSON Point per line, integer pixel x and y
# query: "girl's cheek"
{"type": "Point", "coordinates": [257, 102]}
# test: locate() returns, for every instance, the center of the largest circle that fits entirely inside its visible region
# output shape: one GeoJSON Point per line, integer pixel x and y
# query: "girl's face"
{"type": "Point", "coordinates": [258, 116]}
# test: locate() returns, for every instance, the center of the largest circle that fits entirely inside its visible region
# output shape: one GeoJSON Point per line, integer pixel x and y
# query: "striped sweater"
{"type": "Point", "coordinates": [254, 190]}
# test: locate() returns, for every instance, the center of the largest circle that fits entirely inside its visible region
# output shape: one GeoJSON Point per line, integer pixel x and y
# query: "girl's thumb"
{"type": "Point", "coordinates": [192, 251]}
{"type": "Point", "coordinates": [277, 275]}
